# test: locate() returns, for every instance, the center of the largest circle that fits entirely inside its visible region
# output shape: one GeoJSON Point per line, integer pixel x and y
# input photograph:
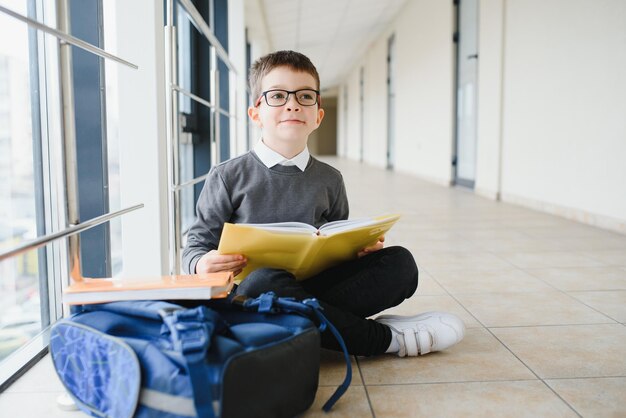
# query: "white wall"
{"type": "Point", "coordinates": [424, 97]}
{"type": "Point", "coordinates": [237, 54]}
{"type": "Point", "coordinates": [551, 108]}
{"type": "Point", "coordinates": [375, 134]}
{"type": "Point", "coordinates": [143, 164]}
{"type": "Point", "coordinates": [489, 126]}
{"type": "Point", "coordinates": [353, 139]}
{"type": "Point", "coordinates": [342, 120]}
{"type": "Point", "coordinates": [563, 110]}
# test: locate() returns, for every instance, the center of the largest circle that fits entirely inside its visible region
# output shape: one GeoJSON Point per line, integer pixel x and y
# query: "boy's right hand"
{"type": "Point", "coordinates": [212, 262]}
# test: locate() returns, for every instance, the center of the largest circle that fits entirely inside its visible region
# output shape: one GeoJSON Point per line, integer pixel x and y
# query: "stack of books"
{"type": "Point", "coordinates": [195, 286]}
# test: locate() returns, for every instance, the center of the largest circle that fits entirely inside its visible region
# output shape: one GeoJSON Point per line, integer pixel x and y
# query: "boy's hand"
{"type": "Point", "coordinates": [212, 262]}
{"type": "Point", "coordinates": [372, 248]}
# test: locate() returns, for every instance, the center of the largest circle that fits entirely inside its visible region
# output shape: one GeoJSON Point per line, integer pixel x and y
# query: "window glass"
{"type": "Point", "coordinates": [20, 276]}
{"type": "Point", "coordinates": [188, 114]}
{"type": "Point", "coordinates": [113, 137]}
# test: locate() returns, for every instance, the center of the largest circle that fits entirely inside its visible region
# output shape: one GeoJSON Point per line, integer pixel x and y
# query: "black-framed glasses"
{"type": "Point", "coordinates": [278, 97]}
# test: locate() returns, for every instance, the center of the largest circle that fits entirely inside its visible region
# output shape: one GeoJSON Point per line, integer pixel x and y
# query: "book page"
{"type": "Point", "coordinates": [350, 224]}
{"type": "Point", "coordinates": [286, 227]}
{"type": "Point", "coordinates": [303, 254]}
{"type": "Point", "coordinates": [344, 244]}
{"type": "Point", "coordinates": [266, 247]}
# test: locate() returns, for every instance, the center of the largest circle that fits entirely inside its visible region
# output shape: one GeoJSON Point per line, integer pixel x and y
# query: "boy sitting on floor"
{"type": "Point", "coordinates": [279, 181]}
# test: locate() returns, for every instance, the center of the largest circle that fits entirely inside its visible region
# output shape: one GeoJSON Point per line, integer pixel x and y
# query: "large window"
{"type": "Point", "coordinates": [52, 164]}
{"type": "Point", "coordinates": [24, 302]}
{"type": "Point", "coordinates": [61, 137]}
{"type": "Point", "coordinates": [203, 113]}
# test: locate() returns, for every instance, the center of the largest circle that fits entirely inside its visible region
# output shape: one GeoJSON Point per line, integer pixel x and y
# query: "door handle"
{"type": "Point", "coordinates": [473, 56]}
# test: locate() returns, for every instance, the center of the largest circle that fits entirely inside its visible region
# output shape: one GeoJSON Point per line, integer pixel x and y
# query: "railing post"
{"type": "Point", "coordinates": [69, 139]}
{"type": "Point", "coordinates": [171, 98]}
{"type": "Point", "coordinates": [173, 90]}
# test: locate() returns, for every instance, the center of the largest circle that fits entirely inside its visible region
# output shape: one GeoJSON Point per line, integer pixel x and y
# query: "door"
{"type": "Point", "coordinates": [467, 76]}
{"type": "Point", "coordinates": [362, 113]}
{"type": "Point", "coordinates": [391, 102]}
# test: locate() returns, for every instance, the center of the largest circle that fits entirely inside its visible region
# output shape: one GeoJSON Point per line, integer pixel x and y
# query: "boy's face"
{"type": "Point", "coordinates": [291, 124]}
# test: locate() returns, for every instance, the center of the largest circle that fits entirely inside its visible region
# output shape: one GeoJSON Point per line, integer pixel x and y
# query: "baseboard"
{"type": "Point", "coordinates": [578, 215]}
{"type": "Point", "coordinates": [435, 180]}
{"type": "Point", "coordinates": [487, 193]}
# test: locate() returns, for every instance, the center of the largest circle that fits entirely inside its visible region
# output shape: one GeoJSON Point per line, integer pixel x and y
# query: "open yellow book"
{"type": "Point", "coordinates": [195, 286]}
{"type": "Point", "coordinates": [300, 248]}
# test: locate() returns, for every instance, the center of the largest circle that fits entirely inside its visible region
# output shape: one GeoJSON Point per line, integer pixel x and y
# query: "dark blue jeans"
{"type": "Point", "coordinates": [349, 293]}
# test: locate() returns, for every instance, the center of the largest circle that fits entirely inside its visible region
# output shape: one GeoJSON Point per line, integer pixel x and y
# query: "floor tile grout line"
{"type": "Point", "coordinates": [447, 382]}
{"type": "Point", "coordinates": [601, 261]}
{"type": "Point", "coordinates": [543, 253]}
{"type": "Point", "coordinates": [508, 349]}
{"type": "Point", "coordinates": [555, 289]}
{"type": "Point", "coordinates": [533, 372]}
{"type": "Point", "coordinates": [367, 395]}
{"type": "Point", "coordinates": [544, 380]}
{"type": "Point", "coordinates": [492, 334]}
{"type": "Point", "coordinates": [592, 308]}
{"type": "Point", "coordinates": [560, 290]}
{"type": "Point", "coordinates": [553, 325]}
{"type": "Point", "coordinates": [540, 279]}
{"type": "Point", "coordinates": [457, 301]}
{"type": "Point", "coordinates": [517, 357]}
{"type": "Point", "coordinates": [566, 223]}
{"type": "Point", "coordinates": [529, 271]}
{"type": "Point", "coordinates": [443, 382]}
{"type": "Point", "coordinates": [558, 395]}
{"type": "Point", "coordinates": [585, 377]}
{"type": "Point", "coordinates": [532, 275]}
{"type": "Point", "coordinates": [495, 254]}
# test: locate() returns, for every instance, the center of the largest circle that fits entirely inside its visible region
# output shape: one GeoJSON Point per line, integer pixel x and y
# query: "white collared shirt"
{"type": "Point", "coordinates": [270, 158]}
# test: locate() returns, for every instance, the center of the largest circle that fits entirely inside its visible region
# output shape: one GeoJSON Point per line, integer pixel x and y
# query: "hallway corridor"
{"type": "Point", "coordinates": [543, 299]}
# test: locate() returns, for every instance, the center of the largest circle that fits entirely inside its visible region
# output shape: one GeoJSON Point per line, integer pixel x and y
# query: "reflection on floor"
{"type": "Point", "coordinates": [544, 300]}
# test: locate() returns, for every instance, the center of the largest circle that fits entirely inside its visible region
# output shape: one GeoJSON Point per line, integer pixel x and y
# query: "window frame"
{"type": "Point", "coordinates": [51, 85]}
{"type": "Point", "coordinates": [47, 172]}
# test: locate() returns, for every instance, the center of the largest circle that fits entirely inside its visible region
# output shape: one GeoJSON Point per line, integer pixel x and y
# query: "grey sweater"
{"type": "Point", "coordinates": [244, 190]}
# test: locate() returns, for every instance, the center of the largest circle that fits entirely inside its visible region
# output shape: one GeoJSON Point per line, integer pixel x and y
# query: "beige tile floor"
{"type": "Point", "coordinates": [543, 298]}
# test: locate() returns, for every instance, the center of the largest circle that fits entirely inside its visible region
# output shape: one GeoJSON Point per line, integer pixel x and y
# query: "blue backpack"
{"type": "Point", "coordinates": [236, 358]}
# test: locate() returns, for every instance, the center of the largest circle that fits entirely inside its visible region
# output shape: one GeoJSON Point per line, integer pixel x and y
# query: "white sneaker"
{"type": "Point", "coordinates": [424, 333]}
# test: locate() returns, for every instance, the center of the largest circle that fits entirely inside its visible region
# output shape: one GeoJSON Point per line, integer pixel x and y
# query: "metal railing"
{"type": "Point", "coordinates": [217, 51]}
{"type": "Point", "coordinates": [72, 230]}
{"type": "Point", "coordinates": [69, 138]}
{"type": "Point", "coordinates": [15, 364]}
{"type": "Point", "coordinates": [65, 37]}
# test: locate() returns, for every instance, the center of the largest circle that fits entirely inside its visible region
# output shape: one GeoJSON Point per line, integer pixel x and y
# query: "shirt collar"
{"type": "Point", "coordinates": [270, 158]}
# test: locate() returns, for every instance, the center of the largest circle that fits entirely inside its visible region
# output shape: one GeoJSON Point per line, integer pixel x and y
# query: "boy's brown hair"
{"type": "Point", "coordinates": [294, 60]}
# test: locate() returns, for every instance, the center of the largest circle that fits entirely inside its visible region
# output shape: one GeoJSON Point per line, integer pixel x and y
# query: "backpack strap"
{"type": "Point", "coordinates": [190, 332]}
{"type": "Point", "coordinates": [270, 303]}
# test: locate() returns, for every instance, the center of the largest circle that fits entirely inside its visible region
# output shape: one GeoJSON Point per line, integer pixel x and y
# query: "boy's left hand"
{"type": "Point", "coordinates": [372, 248]}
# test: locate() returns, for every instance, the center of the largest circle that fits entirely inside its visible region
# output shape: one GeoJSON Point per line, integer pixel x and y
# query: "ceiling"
{"type": "Point", "coordinates": [334, 34]}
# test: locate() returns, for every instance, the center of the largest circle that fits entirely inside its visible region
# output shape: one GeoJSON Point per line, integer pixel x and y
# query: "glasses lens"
{"type": "Point", "coordinates": [306, 97]}
{"type": "Point", "coordinates": [276, 97]}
